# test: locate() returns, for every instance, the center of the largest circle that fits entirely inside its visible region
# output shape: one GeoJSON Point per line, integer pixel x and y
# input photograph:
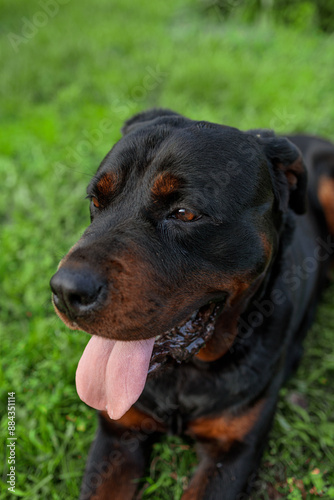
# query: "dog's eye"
{"type": "Point", "coordinates": [95, 202]}
{"type": "Point", "coordinates": [185, 215]}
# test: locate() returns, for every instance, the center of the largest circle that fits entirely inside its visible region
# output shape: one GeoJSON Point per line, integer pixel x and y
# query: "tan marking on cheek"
{"type": "Point", "coordinates": [266, 245]}
{"type": "Point", "coordinates": [326, 198]}
{"type": "Point", "coordinates": [226, 329]}
{"type": "Point", "coordinates": [107, 184]}
{"type": "Point", "coordinates": [226, 429]}
{"type": "Point", "coordinates": [165, 184]}
{"type": "Point", "coordinates": [130, 288]}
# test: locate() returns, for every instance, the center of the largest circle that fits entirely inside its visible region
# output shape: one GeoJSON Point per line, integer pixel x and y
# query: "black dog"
{"type": "Point", "coordinates": [201, 266]}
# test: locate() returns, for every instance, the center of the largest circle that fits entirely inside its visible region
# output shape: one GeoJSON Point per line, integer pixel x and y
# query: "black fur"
{"type": "Point", "coordinates": [250, 189]}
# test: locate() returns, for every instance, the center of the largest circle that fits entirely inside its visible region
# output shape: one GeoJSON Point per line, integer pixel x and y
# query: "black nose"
{"type": "Point", "coordinates": [77, 292]}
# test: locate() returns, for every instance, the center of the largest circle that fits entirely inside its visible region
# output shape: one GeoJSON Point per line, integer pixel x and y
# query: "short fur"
{"type": "Point", "coordinates": [261, 243]}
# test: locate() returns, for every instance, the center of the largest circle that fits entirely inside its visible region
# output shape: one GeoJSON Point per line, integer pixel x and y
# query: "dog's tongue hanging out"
{"type": "Point", "coordinates": [111, 374]}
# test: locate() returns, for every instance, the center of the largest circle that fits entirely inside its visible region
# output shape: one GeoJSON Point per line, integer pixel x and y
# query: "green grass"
{"type": "Point", "coordinates": [64, 95]}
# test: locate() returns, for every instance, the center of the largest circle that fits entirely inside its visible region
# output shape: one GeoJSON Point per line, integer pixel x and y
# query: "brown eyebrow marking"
{"type": "Point", "coordinates": [165, 184]}
{"type": "Point", "coordinates": [107, 184]}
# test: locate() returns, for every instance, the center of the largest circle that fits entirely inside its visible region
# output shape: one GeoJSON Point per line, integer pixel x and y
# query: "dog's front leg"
{"type": "Point", "coordinates": [118, 456]}
{"type": "Point", "coordinates": [229, 449]}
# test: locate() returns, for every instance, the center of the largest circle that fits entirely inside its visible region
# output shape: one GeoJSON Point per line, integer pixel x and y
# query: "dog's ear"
{"type": "Point", "coordinates": [137, 120]}
{"type": "Point", "coordinates": [287, 170]}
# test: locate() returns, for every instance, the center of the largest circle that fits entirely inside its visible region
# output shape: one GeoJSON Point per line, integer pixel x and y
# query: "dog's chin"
{"type": "Point", "coordinates": [184, 341]}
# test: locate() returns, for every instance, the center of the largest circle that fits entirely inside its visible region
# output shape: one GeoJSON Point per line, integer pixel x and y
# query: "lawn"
{"type": "Point", "coordinates": [71, 73]}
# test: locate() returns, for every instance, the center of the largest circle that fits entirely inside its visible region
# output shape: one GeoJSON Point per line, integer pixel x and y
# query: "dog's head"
{"type": "Point", "coordinates": [184, 214]}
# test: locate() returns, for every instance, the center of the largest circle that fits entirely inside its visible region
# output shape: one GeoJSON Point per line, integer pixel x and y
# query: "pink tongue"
{"type": "Point", "coordinates": [111, 374]}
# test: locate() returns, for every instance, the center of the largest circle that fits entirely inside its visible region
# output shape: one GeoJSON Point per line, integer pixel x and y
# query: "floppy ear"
{"type": "Point", "coordinates": [287, 170]}
{"type": "Point", "coordinates": [137, 120]}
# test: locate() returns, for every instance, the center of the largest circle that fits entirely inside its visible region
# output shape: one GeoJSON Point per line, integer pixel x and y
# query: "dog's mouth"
{"type": "Point", "coordinates": [184, 341]}
{"type": "Point", "coordinates": [111, 374]}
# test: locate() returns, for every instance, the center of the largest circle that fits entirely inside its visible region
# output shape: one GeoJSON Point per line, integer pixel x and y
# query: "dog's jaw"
{"type": "Point", "coordinates": [184, 341]}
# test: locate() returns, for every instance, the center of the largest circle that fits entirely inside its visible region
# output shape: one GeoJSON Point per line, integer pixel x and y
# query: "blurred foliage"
{"type": "Point", "coordinates": [299, 14]}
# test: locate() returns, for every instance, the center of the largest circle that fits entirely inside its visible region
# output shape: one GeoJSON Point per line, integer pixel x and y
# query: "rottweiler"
{"type": "Point", "coordinates": [197, 279]}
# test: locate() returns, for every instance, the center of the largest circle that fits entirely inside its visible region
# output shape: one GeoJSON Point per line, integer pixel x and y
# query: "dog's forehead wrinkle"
{"type": "Point", "coordinates": [210, 153]}
{"type": "Point", "coordinates": [195, 162]}
{"type": "Point", "coordinates": [195, 147]}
